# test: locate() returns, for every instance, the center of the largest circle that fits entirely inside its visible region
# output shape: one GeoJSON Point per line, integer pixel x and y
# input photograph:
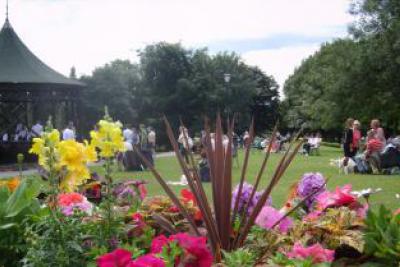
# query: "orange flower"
{"type": "Point", "coordinates": [13, 183]}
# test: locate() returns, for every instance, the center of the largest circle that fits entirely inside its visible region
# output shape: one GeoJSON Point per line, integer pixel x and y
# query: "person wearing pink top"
{"type": "Point", "coordinates": [378, 132]}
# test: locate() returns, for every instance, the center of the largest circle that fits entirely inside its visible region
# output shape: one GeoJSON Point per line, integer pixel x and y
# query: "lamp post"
{"type": "Point", "coordinates": [227, 79]}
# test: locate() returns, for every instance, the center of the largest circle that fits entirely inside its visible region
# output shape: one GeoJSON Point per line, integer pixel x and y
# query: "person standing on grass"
{"type": "Point", "coordinates": [128, 134]}
{"type": "Point", "coordinates": [348, 142]}
{"type": "Point", "coordinates": [144, 145]}
{"type": "Point", "coordinates": [356, 136]}
{"type": "Point", "coordinates": [151, 138]}
{"type": "Point", "coordinates": [185, 143]}
{"type": "Point", "coordinates": [246, 139]}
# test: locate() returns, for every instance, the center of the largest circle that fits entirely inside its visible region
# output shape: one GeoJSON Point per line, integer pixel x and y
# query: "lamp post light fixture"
{"type": "Point", "coordinates": [227, 79]}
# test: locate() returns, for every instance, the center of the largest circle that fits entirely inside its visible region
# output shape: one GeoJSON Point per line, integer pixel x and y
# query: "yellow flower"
{"type": "Point", "coordinates": [37, 147]}
{"type": "Point", "coordinates": [67, 155]}
{"type": "Point", "coordinates": [108, 138]}
{"type": "Point", "coordinates": [74, 157]}
{"type": "Point", "coordinates": [74, 178]}
{"type": "Point", "coordinates": [54, 136]}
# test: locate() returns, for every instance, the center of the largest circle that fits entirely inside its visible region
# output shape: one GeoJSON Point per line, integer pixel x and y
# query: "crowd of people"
{"type": "Point", "coordinates": [372, 153]}
{"type": "Point", "coordinates": [24, 134]}
{"type": "Point", "coordinates": [144, 140]}
{"type": "Point", "coordinates": [312, 142]}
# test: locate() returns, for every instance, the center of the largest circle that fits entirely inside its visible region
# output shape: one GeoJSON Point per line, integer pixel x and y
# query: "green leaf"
{"type": "Point", "coordinates": [22, 197]}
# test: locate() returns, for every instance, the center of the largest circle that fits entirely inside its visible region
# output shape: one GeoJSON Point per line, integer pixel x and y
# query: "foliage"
{"type": "Point", "coordinates": [55, 243]}
{"type": "Point", "coordinates": [338, 81]}
{"type": "Point", "coordinates": [185, 84]}
{"type": "Point", "coordinates": [382, 235]}
{"type": "Point", "coordinates": [15, 209]}
{"type": "Point", "coordinates": [240, 257]}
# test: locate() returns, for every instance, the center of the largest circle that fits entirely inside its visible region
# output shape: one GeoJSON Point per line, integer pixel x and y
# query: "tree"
{"type": "Point", "coordinates": [265, 106]}
{"type": "Point", "coordinates": [113, 85]}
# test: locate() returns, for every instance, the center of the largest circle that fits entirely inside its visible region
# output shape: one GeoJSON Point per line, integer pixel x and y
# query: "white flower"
{"type": "Point", "coordinates": [366, 192]}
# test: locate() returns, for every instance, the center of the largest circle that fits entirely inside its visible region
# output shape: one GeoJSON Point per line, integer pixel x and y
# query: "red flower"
{"type": "Point", "coordinates": [148, 260]}
{"type": "Point", "coordinates": [117, 258]}
{"type": "Point", "coordinates": [158, 243]}
{"type": "Point", "coordinates": [198, 216]}
{"type": "Point", "coordinates": [173, 209]}
{"type": "Point", "coordinates": [188, 196]}
{"type": "Point", "coordinates": [69, 198]}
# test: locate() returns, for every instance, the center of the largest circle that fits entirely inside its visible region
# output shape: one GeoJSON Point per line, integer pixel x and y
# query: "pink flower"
{"type": "Point", "coordinates": [142, 191]}
{"type": "Point", "coordinates": [196, 247]}
{"type": "Point", "coordinates": [341, 197]}
{"type": "Point", "coordinates": [344, 195]}
{"type": "Point", "coordinates": [396, 212]}
{"type": "Point", "coordinates": [269, 216]}
{"type": "Point", "coordinates": [117, 258]}
{"type": "Point", "coordinates": [69, 198]}
{"type": "Point", "coordinates": [316, 252]}
{"type": "Point", "coordinates": [196, 252]}
{"type": "Point", "coordinates": [158, 243]}
{"type": "Point", "coordinates": [148, 260]}
{"type": "Point", "coordinates": [362, 210]}
{"type": "Point", "coordinates": [69, 202]}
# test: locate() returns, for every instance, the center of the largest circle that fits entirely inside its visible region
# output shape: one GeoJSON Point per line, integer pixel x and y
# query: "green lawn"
{"type": "Point", "coordinates": [169, 169]}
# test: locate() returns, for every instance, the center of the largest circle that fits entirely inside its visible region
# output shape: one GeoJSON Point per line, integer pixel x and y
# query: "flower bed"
{"type": "Point", "coordinates": [86, 220]}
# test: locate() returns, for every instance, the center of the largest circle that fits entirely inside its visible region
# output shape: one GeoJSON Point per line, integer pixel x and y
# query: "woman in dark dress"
{"type": "Point", "coordinates": [349, 152]}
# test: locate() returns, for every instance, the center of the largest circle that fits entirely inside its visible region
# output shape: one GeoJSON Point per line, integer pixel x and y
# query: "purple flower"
{"type": "Point", "coordinates": [245, 198]}
{"type": "Point", "coordinates": [309, 183]}
{"type": "Point", "coordinates": [269, 216]}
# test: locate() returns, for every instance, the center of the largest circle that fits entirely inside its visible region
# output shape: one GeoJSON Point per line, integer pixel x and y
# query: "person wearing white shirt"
{"type": "Point", "coordinates": [151, 139]}
{"type": "Point", "coordinates": [5, 137]}
{"type": "Point", "coordinates": [37, 129]}
{"type": "Point", "coordinates": [128, 135]}
{"type": "Point", "coordinates": [68, 133]}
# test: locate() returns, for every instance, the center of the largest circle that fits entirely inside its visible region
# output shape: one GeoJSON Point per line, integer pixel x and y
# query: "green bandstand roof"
{"type": "Point", "coordinates": [18, 65]}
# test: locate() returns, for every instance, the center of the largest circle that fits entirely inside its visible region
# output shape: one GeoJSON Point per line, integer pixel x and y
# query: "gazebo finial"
{"type": "Point", "coordinates": [6, 9]}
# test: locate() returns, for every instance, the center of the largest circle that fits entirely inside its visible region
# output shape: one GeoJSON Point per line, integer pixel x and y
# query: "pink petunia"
{"type": "Point", "coordinates": [158, 243]}
{"type": "Point", "coordinates": [117, 258]}
{"type": "Point", "coordinates": [196, 248]}
{"type": "Point", "coordinates": [269, 216]}
{"type": "Point", "coordinates": [316, 252]}
{"type": "Point", "coordinates": [148, 260]}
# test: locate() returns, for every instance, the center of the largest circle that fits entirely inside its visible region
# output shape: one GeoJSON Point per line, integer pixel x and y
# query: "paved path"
{"type": "Point", "coordinates": [34, 171]}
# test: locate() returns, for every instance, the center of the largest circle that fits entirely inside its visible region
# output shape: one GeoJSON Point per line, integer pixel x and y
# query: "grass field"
{"type": "Point", "coordinates": [168, 167]}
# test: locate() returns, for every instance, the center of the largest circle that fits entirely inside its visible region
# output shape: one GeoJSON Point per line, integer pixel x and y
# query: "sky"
{"type": "Point", "coordinates": [275, 35]}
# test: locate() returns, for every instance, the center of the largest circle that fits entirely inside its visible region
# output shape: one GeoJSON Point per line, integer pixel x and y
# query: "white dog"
{"type": "Point", "coordinates": [339, 163]}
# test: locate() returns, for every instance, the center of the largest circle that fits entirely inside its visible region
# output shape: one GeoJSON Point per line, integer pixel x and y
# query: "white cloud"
{"type": "Point", "coordinates": [89, 33]}
{"type": "Point", "coordinates": [280, 62]}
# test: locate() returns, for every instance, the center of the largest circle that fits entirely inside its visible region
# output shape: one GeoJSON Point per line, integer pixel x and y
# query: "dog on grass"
{"type": "Point", "coordinates": [339, 163]}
